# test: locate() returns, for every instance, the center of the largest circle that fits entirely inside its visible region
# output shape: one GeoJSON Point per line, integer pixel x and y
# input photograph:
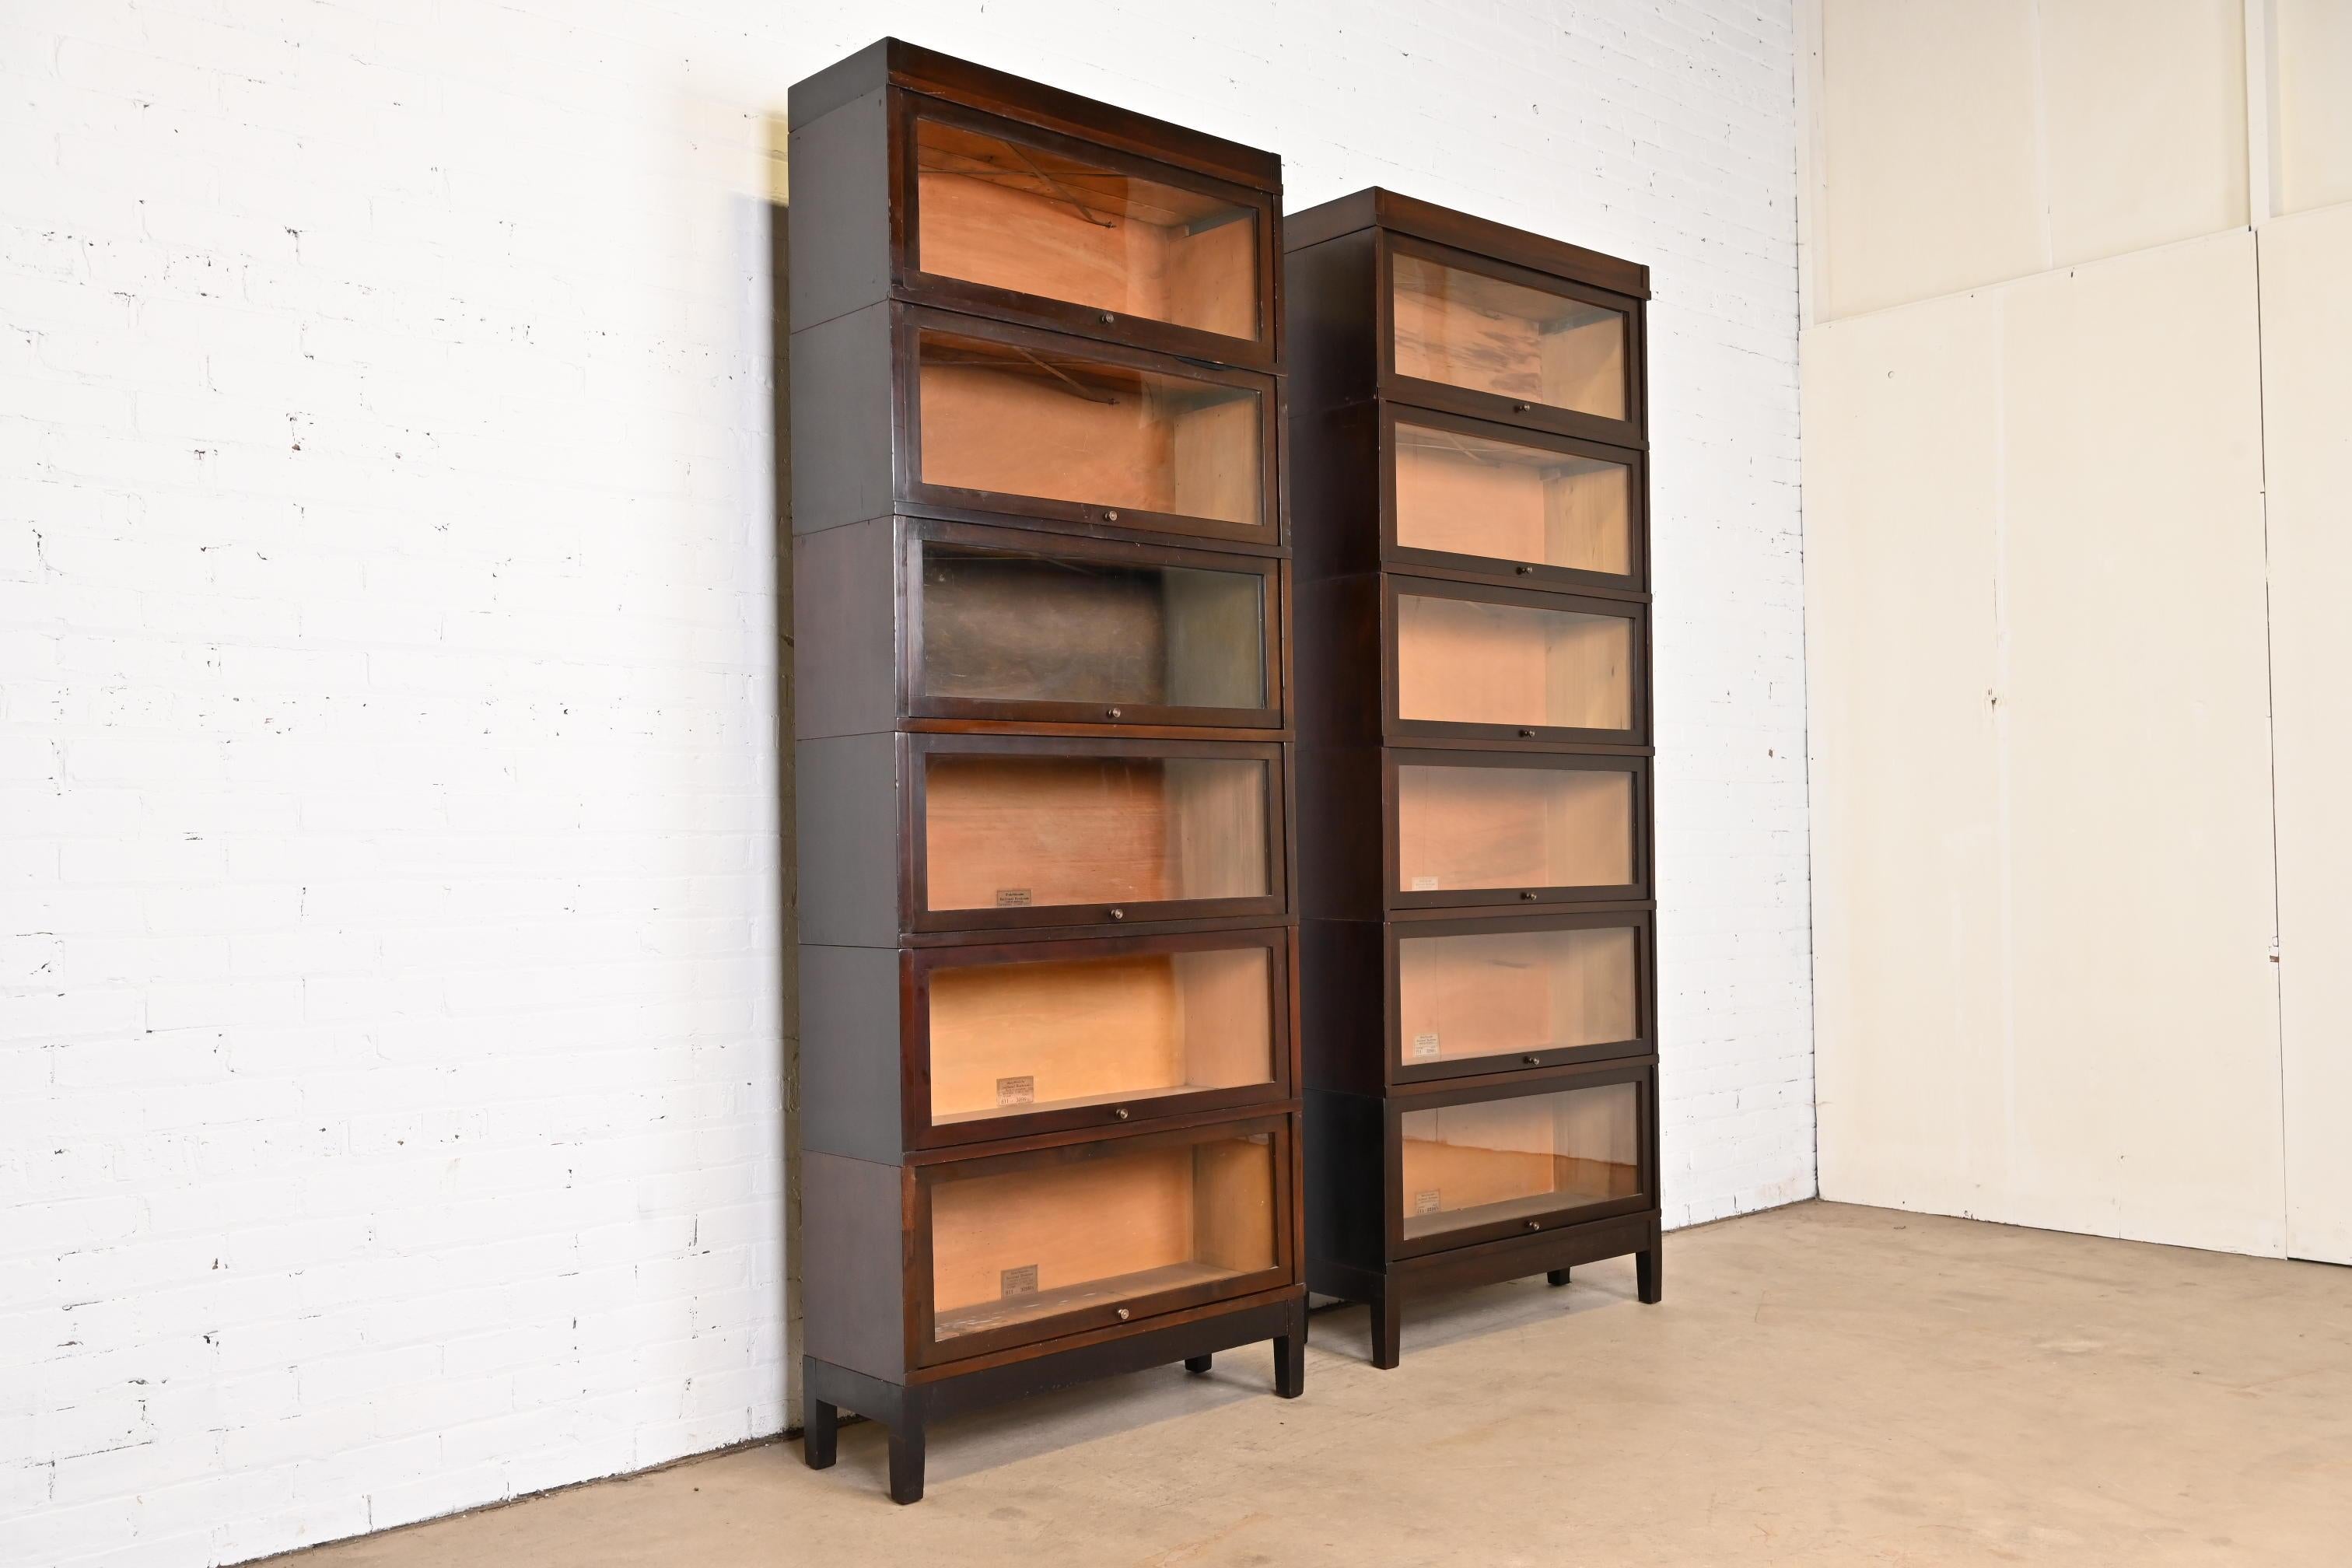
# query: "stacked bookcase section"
{"type": "Point", "coordinates": [1041, 607]}
{"type": "Point", "coordinates": [1474, 648]}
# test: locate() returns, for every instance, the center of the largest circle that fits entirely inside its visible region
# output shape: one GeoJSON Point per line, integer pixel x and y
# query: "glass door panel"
{"type": "Point", "coordinates": [1009, 214]}
{"type": "Point", "coordinates": [1498, 1160]}
{"type": "Point", "coordinates": [1501, 829]}
{"type": "Point", "coordinates": [1464, 494]}
{"type": "Point", "coordinates": [1123, 1223]}
{"type": "Point", "coordinates": [1470, 330]}
{"type": "Point", "coordinates": [1005, 830]}
{"type": "Point", "coordinates": [1032, 1038]}
{"type": "Point", "coordinates": [1056, 424]}
{"type": "Point", "coordinates": [1056, 628]}
{"type": "Point", "coordinates": [1472, 997]}
{"type": "Point", "coordinates": [1471, 662]}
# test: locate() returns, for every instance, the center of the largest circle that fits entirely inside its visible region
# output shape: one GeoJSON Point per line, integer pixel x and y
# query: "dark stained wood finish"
{"type": "Point", "coordinates": [1347, 400]}
{"type": "Point", "coordinates": [867, 719]}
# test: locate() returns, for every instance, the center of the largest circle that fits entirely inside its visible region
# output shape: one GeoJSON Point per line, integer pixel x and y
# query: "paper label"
{"type": "Point", "coordinates": [1020, 1090]}
{"type": "Point", "coordinates": [1021, 1281]}
{"type": "Point", "coordinates": [1012, 898]}
{"type": "Point", "coordinates": [1427, 1201]}
{"type": "Point", "coordinates": [1424, 1048]}
{"type": "Point", "coordinates": [1420, 885]}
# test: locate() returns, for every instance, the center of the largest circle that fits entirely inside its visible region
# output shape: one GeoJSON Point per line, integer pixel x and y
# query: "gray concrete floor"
{"type": "Point", "coordinates": [1823, 1385]}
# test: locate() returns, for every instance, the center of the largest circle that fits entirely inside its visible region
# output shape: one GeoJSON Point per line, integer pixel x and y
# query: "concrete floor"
{"type": "Point", "coordinates": [1823, 1385]}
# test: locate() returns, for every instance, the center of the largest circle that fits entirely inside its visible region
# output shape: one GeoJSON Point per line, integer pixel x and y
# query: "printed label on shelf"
{"type": "Point", "coordinates": [1012, 898]}
{"type": "Point", "coordinates": [1424, 884]}
{"type": "Point", "coordinates": [1020, 1090]}
{"type": "Point", "coordinates": [1021, 1281]}
{"type": "Point", "coordinates": [1424, 1047]}
{"type": "Point", "coordinates": [1427, 1201]}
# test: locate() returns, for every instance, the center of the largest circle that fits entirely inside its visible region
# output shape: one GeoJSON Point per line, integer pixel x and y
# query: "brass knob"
{"type": "Point", "coordinates": [1521, 407]}
{"type": "Point", "coordinates": [1110, 517]}
{"type": "Point", "coordinates": [1525, 571]}
{"type": "Point", "coordinates": [1105, 316]}
{"type": "Point", "coordinates": [1122, 1314]}
{"type": "Point", "coordinates": [1527, 734]}
{"type": "Point", "coordinates": [1527, 898]}
{"type": "Point", "coordinates": [1533, 1226]}
{"type": "Point", "coordinates": [1121, 914]}
{"type": "Point", "coordinates": [1532, 1061]}
{"type": "Point", "coordinates": [1120, 1113]}
{"type": "Point", "coordinates": [1110, 712]}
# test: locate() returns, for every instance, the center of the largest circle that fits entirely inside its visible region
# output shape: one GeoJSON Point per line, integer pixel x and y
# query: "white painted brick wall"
{"type": "Point", "coordinates": [391, 1023]}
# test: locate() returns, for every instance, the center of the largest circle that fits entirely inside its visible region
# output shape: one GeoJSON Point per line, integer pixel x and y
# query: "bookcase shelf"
{"type": "Point", "coordinates": [1043, 770]}
{"type": "Point", "coordinates": [1473, 651]}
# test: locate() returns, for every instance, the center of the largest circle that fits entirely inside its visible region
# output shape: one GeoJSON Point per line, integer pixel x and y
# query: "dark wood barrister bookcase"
{"type": "Point", "coordinates": [1471, 475]}
{"type": "Point", "coordinates": [1049, 1018]}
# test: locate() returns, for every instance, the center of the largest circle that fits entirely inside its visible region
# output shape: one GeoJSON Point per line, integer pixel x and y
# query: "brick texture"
{"type": "Point", "coordinates": [394, 1047]}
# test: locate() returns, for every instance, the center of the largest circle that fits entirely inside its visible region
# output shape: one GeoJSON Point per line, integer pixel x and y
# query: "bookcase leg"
{"type": "Point", "coordinates": [1556, 1277]}
{"type": "Point", "coordinates": [1197, 1363]}
{"type": "Point", "coordinates": [1649, 1271]}
{"type": "Point", "coordinates": [1388, 1336]}
{"type": "Point", "coordinates": [907, 1449]}
{"type": "Point", "coordinates": [1290, 1355]}
{"type": "Point", "coordinates": [820, 1421]}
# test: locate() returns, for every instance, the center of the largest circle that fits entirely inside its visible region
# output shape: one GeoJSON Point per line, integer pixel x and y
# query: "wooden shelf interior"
{"type": "Point", "coordinates": [1045, 423]}
{"type": "Point", "coordinates": [1504, 993]}
{"type": "Point", "coordinates": [1013, 627]}
{"type": "Point", "coordinates": [1471, 330]}
{"type": "Point", "coordinates": [1465, 827]}
{"type": "Point", "coordinates": [1012, 215]}
{"type": "Point", "coordinates": [1007, 831]}
{"type": "Point", "coordinates": [1511, 1158]}
{"type": "Point", "coordinates": [1033, 1243]}
{"type": "Point", "coordinates": [1092, 1031]}
{"type": "Point", "coordinates": [1472, 495]}
{"type": "Point", "coordinates": [1468, 662]}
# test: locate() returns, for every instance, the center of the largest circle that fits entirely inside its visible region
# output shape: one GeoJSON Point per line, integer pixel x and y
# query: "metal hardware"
{"type": "Point", "coordinates": [1532, 1061]}
{"type": "Point", "coordinates": [1525, 571]}
{"type": "Point", "coordinates": [1122, 1314]}
{"type": "Point", "coordinates": [1110, 517]}
{"type": "Point", "coordinates": [1527, 734]}
{"type": "Point", "coordinates": [1106, 317]}
{"type": "Point", "coordinates": [1521, 407]}
{"type": "Point", "coordinates": [1110, 712]}
{"type": "Point", "coordinates": [1120, 1114]}
{"type": "Point", "coordinates": [1527, 898]}
{"type": "Point", "coordinates": [1121, 914]}
{"type": "Point", "coordinates": [1533, 1226]}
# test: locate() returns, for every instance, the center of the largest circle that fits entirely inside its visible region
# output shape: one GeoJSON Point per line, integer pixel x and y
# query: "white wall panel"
{"type": "Point", "coordinates": [2307, 411]}
{"type": "Point", "coordinates": [2136, 753]}
{"type": "Point", "coordinates": [2144, 102]}
{"type": "Point", "coordinates": [2312, 65]}
{"type": "Point", "coordinates": [2049, 490]}
{"type": "Point", "coordinates": [1972, 141]}
{"type": "Point", "coordinates": [1902, 482]}
{"type": "Point", "coordinates": [1927, 148]}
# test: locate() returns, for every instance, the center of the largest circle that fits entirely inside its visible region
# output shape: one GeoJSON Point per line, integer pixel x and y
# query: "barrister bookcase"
{"type": "Point", "coordinates": [1049, 1023]}
{"type": "Point", "coordinates": [1471, 475]}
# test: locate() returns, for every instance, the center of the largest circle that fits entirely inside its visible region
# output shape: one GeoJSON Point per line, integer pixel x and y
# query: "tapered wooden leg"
{"type": "Point", "coordinates": [1387, 1331]}
{"type": "Point", "coordinates": [1649, 1271]}
{"type": "Point", "coordinates": [819, 1423]}
{"type": "Point", "coordinates": [1290, 1357]}
{"type": "Point", "coordinates": [906, 1451]}
{"type": "Point", "coordinates": [1197, 1363]}
{"type": "Point", "coordinates": [1556, 1277]}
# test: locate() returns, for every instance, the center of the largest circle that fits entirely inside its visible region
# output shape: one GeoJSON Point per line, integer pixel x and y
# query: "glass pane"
{"type": "Point", "coordinates": [1027, 1244]}
{"type": "Point", "coordinates": [1052, 1036]}
{"type": "Point", "coordinates": [1469, 495]}
{"type": "Point", "coordinates": [1057, 425]}
{"type": "Point", "coordinates": [1009, 831]}
{"type": "Point", "coordinates": [1512, 827]}
{"type": "Point", "coordinates": [1508, 992]}
{"type": "Point", "coordinates": [1024, 627]}
{"type": "Point", "coordinates": [1465, 662]}
{"type": "Point", "coordinates": [1473, 331]}
{"type": "Point", "coordinates": [1516, 1159]}
{"type": "Point", "coordinates": [1011, 215]}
